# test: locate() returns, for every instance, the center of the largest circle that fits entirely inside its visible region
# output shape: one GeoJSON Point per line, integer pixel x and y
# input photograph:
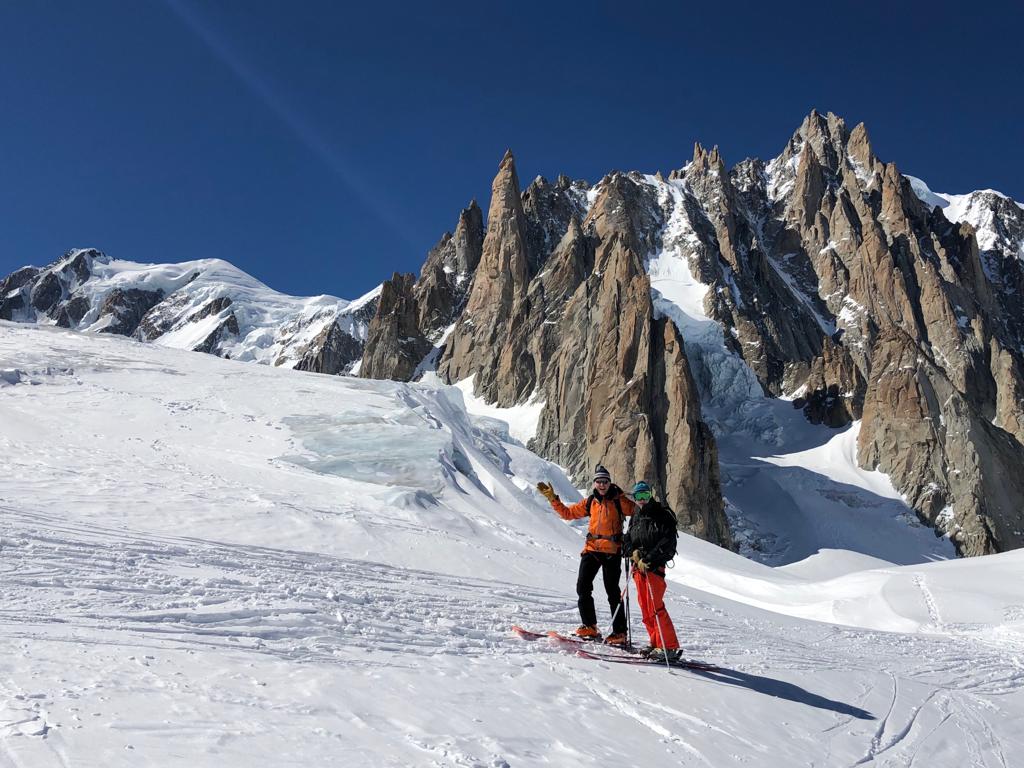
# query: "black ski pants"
{"type": "Point", "coordinates": [611, 568]}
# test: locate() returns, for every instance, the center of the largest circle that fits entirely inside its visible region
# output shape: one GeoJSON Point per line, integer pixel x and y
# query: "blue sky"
{"type": "Point", "coordinates": [321, 145]}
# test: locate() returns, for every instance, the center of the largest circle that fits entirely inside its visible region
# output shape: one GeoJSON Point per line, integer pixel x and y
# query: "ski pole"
{"type": "Point", "coordinates": [629, 617]}
{"type": "Point", "coordinates": [623, 596]}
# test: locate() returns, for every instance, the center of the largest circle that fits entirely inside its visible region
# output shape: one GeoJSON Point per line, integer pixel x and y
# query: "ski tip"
{"type": "Point", "coordinates": [526, 634]}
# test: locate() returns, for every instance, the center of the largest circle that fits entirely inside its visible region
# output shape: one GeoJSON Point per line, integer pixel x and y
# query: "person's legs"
{"type": "Point", "coordinates": [611, 571]}
{"type": "Point", "coordinates": [661, 629]}
{"type": "Point", "coordinates": [589, 566]}
{"type": "Point", "coordinates": [643, 599]}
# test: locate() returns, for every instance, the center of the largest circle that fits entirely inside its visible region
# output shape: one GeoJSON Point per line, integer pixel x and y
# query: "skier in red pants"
{"type": "Point", "coordinates": [650, 543]}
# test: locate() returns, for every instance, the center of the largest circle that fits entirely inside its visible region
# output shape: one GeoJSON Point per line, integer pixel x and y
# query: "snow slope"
{"type": "Point", "coordinates": [207, 563]}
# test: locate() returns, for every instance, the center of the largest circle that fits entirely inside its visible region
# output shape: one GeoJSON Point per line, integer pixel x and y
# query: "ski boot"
{"type": "Point", "coordinates": [617, 639]}
{"type": "Point", "coordinates": [660, 654]}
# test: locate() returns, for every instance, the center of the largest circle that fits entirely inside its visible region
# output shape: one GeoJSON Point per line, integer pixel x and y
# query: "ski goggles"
{"type": "Point", "coordinates": [642, 496]}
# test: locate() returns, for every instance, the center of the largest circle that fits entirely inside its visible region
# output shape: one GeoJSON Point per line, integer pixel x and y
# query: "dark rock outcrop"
{"type": "Point", "coordinates": [14, 293]}
{"type": "Point", "coordinates": [331, 351]}
{"type": "Point", "coordinates": [395, 346]}
{"type": "Point", "coordinates": [215, 341]}
{"type": "Point", "coordinates": [125, 309]}
{"type": "Point", "coordinates": [69, 314]}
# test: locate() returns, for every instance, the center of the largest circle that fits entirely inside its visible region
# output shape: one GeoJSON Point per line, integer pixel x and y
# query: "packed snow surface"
{"type": "Point", "coordinates": [209, 563]}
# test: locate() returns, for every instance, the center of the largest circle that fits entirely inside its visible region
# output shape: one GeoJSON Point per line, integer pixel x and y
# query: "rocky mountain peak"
{"type": "Point", "coordinates": [705, 161]}
{"type": "Point", "coordinates": [827, 136]}
{"type": "Point", "coordinates": [832, 283]}
{"type": "Point", "coordinates": [859, 150]}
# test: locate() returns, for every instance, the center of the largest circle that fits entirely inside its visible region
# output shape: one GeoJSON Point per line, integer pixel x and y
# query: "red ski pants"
{"type": "Point", "coordinates": [650, 593]}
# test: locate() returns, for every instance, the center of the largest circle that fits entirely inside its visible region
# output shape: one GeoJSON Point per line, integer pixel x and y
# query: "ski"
{"type": "Point", "coordinates": [698, 666]}
{"type": "Point", "coordinates": [589, 649]}
{"type": "Point", "coordinates": [554, 635]}
{"type": "Point", "coordinates": [528, 634]}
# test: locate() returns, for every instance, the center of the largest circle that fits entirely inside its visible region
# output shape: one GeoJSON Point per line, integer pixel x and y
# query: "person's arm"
{"type": "Point", "coordinates": [574, 512]}
{"type": "Point", "coordinates": [628, 506]}
{"type": "Point", "coordinates": [664, 549]}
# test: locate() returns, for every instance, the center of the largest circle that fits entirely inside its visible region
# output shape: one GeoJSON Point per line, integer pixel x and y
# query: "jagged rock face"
{"type": "Point", "coordinates": [395, 346]}
{"type": "Point", "coordinates": [830, 278]}
{"type": "Point", "coordinates": [331, 351]}
{"type": "Point", "coordinates": [960, 472]}
{"type": "Point", "coordinates": [71, 312]}
{"type": "Point", "coordinates": [750, 295]}
{"type": "Point", "coordinates": [208, 306]}
{"type": "Point", "coordinates": [549, 208]}
{"type": "Point", "coordinates": [562, 308]}
{"type": "Point", "coordinates": [30, 294]}
{"type": "Point", "coordinates": [619, 391]}
{"type": "Point", "coordinates": [892, 315]}
{"type": "Point", "coordinates": [497, 307]}
{"type": "Point", "coordinates": [543, 297]}
{"type": "Point", "coordinates": [180, 312]}
{"type": "Point", "coordinates": [443, 287]}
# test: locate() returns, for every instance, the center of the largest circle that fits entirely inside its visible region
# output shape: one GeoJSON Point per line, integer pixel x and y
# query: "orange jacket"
{"type": "Point", "coordinates": [605, 531]}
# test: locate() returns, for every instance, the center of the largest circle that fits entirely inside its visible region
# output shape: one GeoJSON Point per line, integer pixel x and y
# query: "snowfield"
{"type": "Point", "coordinates": [211, 563]}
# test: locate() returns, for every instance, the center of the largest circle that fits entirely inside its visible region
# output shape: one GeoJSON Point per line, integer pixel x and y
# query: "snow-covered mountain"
{"type": "Point", "coordinates": [206, 306]}
{"type": "Point", "coordinates": [998, 220]}
{"type": "Point", "coordinates": [207, 563]}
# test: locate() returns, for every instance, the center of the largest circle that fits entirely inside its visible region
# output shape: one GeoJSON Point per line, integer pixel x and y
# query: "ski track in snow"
{"type": "Point", "coordinates": [294, 605]}
{"type": "Point", "coordinates": [144, 596]}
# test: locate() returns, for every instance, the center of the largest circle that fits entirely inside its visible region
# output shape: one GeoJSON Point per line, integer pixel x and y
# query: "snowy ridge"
{"type": "Point", "coordinates": [206, 562]}
{"type": "Point", "coordinates": [979, 209]}
{"type": "Point", "coordinates": [207, 305]}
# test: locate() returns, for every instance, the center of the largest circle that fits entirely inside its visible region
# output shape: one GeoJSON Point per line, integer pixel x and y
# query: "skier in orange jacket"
{"type": "Point", "coordinates": [607, 506]}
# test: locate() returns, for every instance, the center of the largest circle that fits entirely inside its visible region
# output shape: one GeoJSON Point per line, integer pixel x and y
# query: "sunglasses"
{"type": "Point", "coordinates": [642, 496]}
{"type": "Point", "coordinates": [602, 482]}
